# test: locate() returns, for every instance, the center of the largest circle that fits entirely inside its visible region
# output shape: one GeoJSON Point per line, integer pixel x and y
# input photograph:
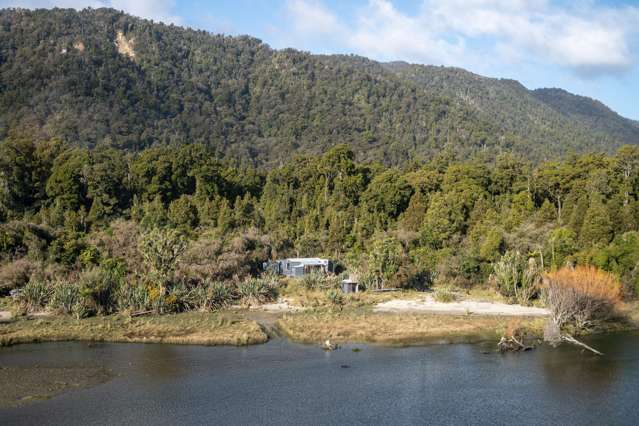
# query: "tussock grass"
{"type": "Point", "coordinates": [196, 328]}
{"type": "Point", "coordinates": [295, 292]}
{"type": "Point", "coordinates": [363, 326]}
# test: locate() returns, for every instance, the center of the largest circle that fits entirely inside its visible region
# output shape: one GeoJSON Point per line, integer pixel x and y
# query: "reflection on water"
{"type": "Point", "coordinates": [568, 368]}
{"type": "Point", "coordinates": [285, 383]}
{"type": "Point", "coordinates": [160, 362]}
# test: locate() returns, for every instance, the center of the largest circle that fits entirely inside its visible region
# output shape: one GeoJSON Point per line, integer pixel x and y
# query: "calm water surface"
{"type": "Point", "coordinates": [285, 383]}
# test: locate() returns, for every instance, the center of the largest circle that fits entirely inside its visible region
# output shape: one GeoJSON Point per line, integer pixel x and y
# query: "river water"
{"type": "Point", "coordinates": [286, 383]}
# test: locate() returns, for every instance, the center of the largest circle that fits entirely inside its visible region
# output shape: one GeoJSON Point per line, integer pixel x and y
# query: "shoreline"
{"type": "Point", "coordinates": [243, 328]}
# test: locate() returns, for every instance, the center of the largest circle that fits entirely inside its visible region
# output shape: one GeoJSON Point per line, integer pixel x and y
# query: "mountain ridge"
{"type": "Point", "coordinates": [99, 77]}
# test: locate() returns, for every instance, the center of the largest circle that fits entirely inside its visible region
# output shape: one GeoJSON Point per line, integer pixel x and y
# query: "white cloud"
{"type": "Point", "coordinates": [384, 32]}
{"type": "Point", "coordinates": [586, 38]}
{"type": "Point", "coordinates": [312, 18]}
{"type": "Point", "coordinates": [158, 10]}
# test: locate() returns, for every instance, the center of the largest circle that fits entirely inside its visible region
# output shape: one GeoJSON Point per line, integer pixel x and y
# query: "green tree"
{"type": "Point", "coordinates": [596, 228]}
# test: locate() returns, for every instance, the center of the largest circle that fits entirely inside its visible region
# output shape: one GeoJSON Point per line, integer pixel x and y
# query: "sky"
{"type": "Point", "coordinates": [587, 47]}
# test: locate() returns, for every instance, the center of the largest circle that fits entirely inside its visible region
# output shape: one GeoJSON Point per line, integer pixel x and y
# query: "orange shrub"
{"type": "Point", "coordinates": [581, 295]}
{"type": "Point", "coordinates": [589, 280]}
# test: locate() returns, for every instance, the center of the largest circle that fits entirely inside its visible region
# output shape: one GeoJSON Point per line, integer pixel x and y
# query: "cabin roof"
{"type": "Point", "coordinates": [308, 260]}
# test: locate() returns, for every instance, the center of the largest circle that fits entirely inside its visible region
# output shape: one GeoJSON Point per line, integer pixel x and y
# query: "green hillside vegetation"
{"type": "Point", "coordinates": [172, 229]}
{"type": "Point", "coordinates": [102, 78]}
{"type": "Point", "coordinates": [151, 168]}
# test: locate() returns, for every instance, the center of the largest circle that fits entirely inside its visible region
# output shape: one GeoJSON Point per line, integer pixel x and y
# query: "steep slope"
{"type": "Point", "coordinates": [591, 113]}
{"type": "Point", "coordinates": [100, 77]}
{"type": "Point", "coordinates": [544, 116]}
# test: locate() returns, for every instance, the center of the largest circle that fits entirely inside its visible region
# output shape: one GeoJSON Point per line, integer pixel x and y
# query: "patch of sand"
{"type": "Point", "coordinates": [282, 305]}
{"type": "Point", "coordinates": [430, 306]}
{"type": "Point", "coordinates": [5, 316]}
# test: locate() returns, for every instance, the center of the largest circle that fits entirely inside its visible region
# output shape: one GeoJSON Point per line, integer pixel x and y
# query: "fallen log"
{"type": "Point", "coordinates": [138, 314]}
{"type": "Point", "coordinates": [568, 338]}
{"type": "Point", "coordinates": [511, 344]}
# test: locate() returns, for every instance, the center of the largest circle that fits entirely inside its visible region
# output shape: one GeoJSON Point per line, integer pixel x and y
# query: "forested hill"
{"type": "Point", "coordinates": [101, 77]}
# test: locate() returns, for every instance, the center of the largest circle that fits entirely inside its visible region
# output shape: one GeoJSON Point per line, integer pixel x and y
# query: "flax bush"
{"type": "Point", "coordinates": [256, 290]}
{"type": "Point", "coordinates": [319, 280]}
{"type": "Point", "coordinates": [133, 297]}
{"type": "Point", "coordinates": [65, 296]}
{"type": "Point", "coordinates": [335, 297]}
{"type": "Point", "coordinates": [35, 295]}
{"type": "Point", "coordinates": [213, 295]}
{"type": "Point", "coordinates": [517, 278]}
{"type": "Point", "coordinates": [100, 287]}
{"type": "Point", "coordinates": [445, 295]}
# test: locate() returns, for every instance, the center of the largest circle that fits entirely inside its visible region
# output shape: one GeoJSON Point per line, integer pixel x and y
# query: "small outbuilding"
{"type": "Point", "coordinates": [349, 286]}
{"type": "Point", "coordinates": [300, 266]}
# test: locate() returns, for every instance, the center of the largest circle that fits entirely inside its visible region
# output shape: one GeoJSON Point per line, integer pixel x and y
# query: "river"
{"type": "Point", "coordinates": [286, 383]}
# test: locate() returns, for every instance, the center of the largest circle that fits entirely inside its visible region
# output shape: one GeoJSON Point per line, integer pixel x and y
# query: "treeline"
{"type": "Point", "coordinates": [445, 221]}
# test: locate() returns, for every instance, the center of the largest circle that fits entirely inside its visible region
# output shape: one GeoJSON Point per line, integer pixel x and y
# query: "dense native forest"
{"type": "Point", "coordinates": [151, 161]}
{"type": "Point", "coordinates": [75, 209]}
{"type": "Point", "coordinates": [104, 78]}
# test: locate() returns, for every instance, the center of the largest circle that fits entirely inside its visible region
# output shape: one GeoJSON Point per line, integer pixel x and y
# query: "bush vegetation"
{"type": "Point", "coordinates": [167, 223]}
{"type": "Point", "coordinates": [35, 295]}
{"type": "Point", "coordinates": [580, 297]}
{"type": "Point", "coordinates": [445, 295]}
{"type": "Point", "coordinates": [517, 278]}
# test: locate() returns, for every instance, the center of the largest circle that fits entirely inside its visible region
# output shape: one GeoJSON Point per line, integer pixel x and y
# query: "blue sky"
{"type": "Point", "coordinates": [587, 47]}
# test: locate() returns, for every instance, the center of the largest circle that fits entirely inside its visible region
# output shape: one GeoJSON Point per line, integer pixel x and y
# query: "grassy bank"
{"type": "Point", "coordinates": [187, 328]}
{"type": "Point", "coordinates": [354, 322]}
{"type": "Point", "coordinates": [363, 326]}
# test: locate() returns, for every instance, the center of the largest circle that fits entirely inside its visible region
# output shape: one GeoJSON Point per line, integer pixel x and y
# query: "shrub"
{"type": "Point", "coordinates": [218, 258]}
{"type": "Point", "coordinates": [410, 276]}
{"type": "Point", "coordinates": [581, 296]}
{"type": "Point", "coordinates": [256, 290]}
{"type": "Point", "coordinates": [445, 295]}
{"type": "Point", "coordinates": [119, 241]}
{"type": "Point", "coordinates": [335, 297]}
{"type": "Point", "coordinates": [65, 297]}
{"type": "Point", "coordinates": [161, 249]}
{"type": "Point", "coordinates": [213, 295]}
{"type": "Point", "coordinates": [220, 295]}
{"type": "Point", "coordinates": [133, 297]}
{"type": "Point", "coordinates": [35, 295]}
{"type": "Point", "coordinates": [384, 260]}
{"type": "Point", "coordinates": [517, 278]}
{"type": "Point", "coordinates": [179, 299]}
{"type": "Point", "coordinates": [67, 247]}
{"type": "Point", "coordinates": [318, 280]}
{"type": "Point", "coordinates": [17, 274]}
{"type": "Point", "coordinates": [100, 287]}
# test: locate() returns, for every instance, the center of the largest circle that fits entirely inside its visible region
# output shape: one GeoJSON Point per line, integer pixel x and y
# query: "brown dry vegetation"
{"type": "Point", "coordinates": [583, 295]}
{"type": "Point", "coordinates": [396, 329]}
{"type": "Point", "coordinates": [294, 292]}
{"type": "Point", "coordinates": [188, 328]}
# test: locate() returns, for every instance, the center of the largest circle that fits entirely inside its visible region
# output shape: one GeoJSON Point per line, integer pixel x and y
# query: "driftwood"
{"type": "Point", "coordinates": [512, 344]}
{"type": "Point", "coordinates": [138, 314]}
{"type": "Point", "coordinates": [568, 338]}
{"type": "Point", "coordinates": [328, 346]}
